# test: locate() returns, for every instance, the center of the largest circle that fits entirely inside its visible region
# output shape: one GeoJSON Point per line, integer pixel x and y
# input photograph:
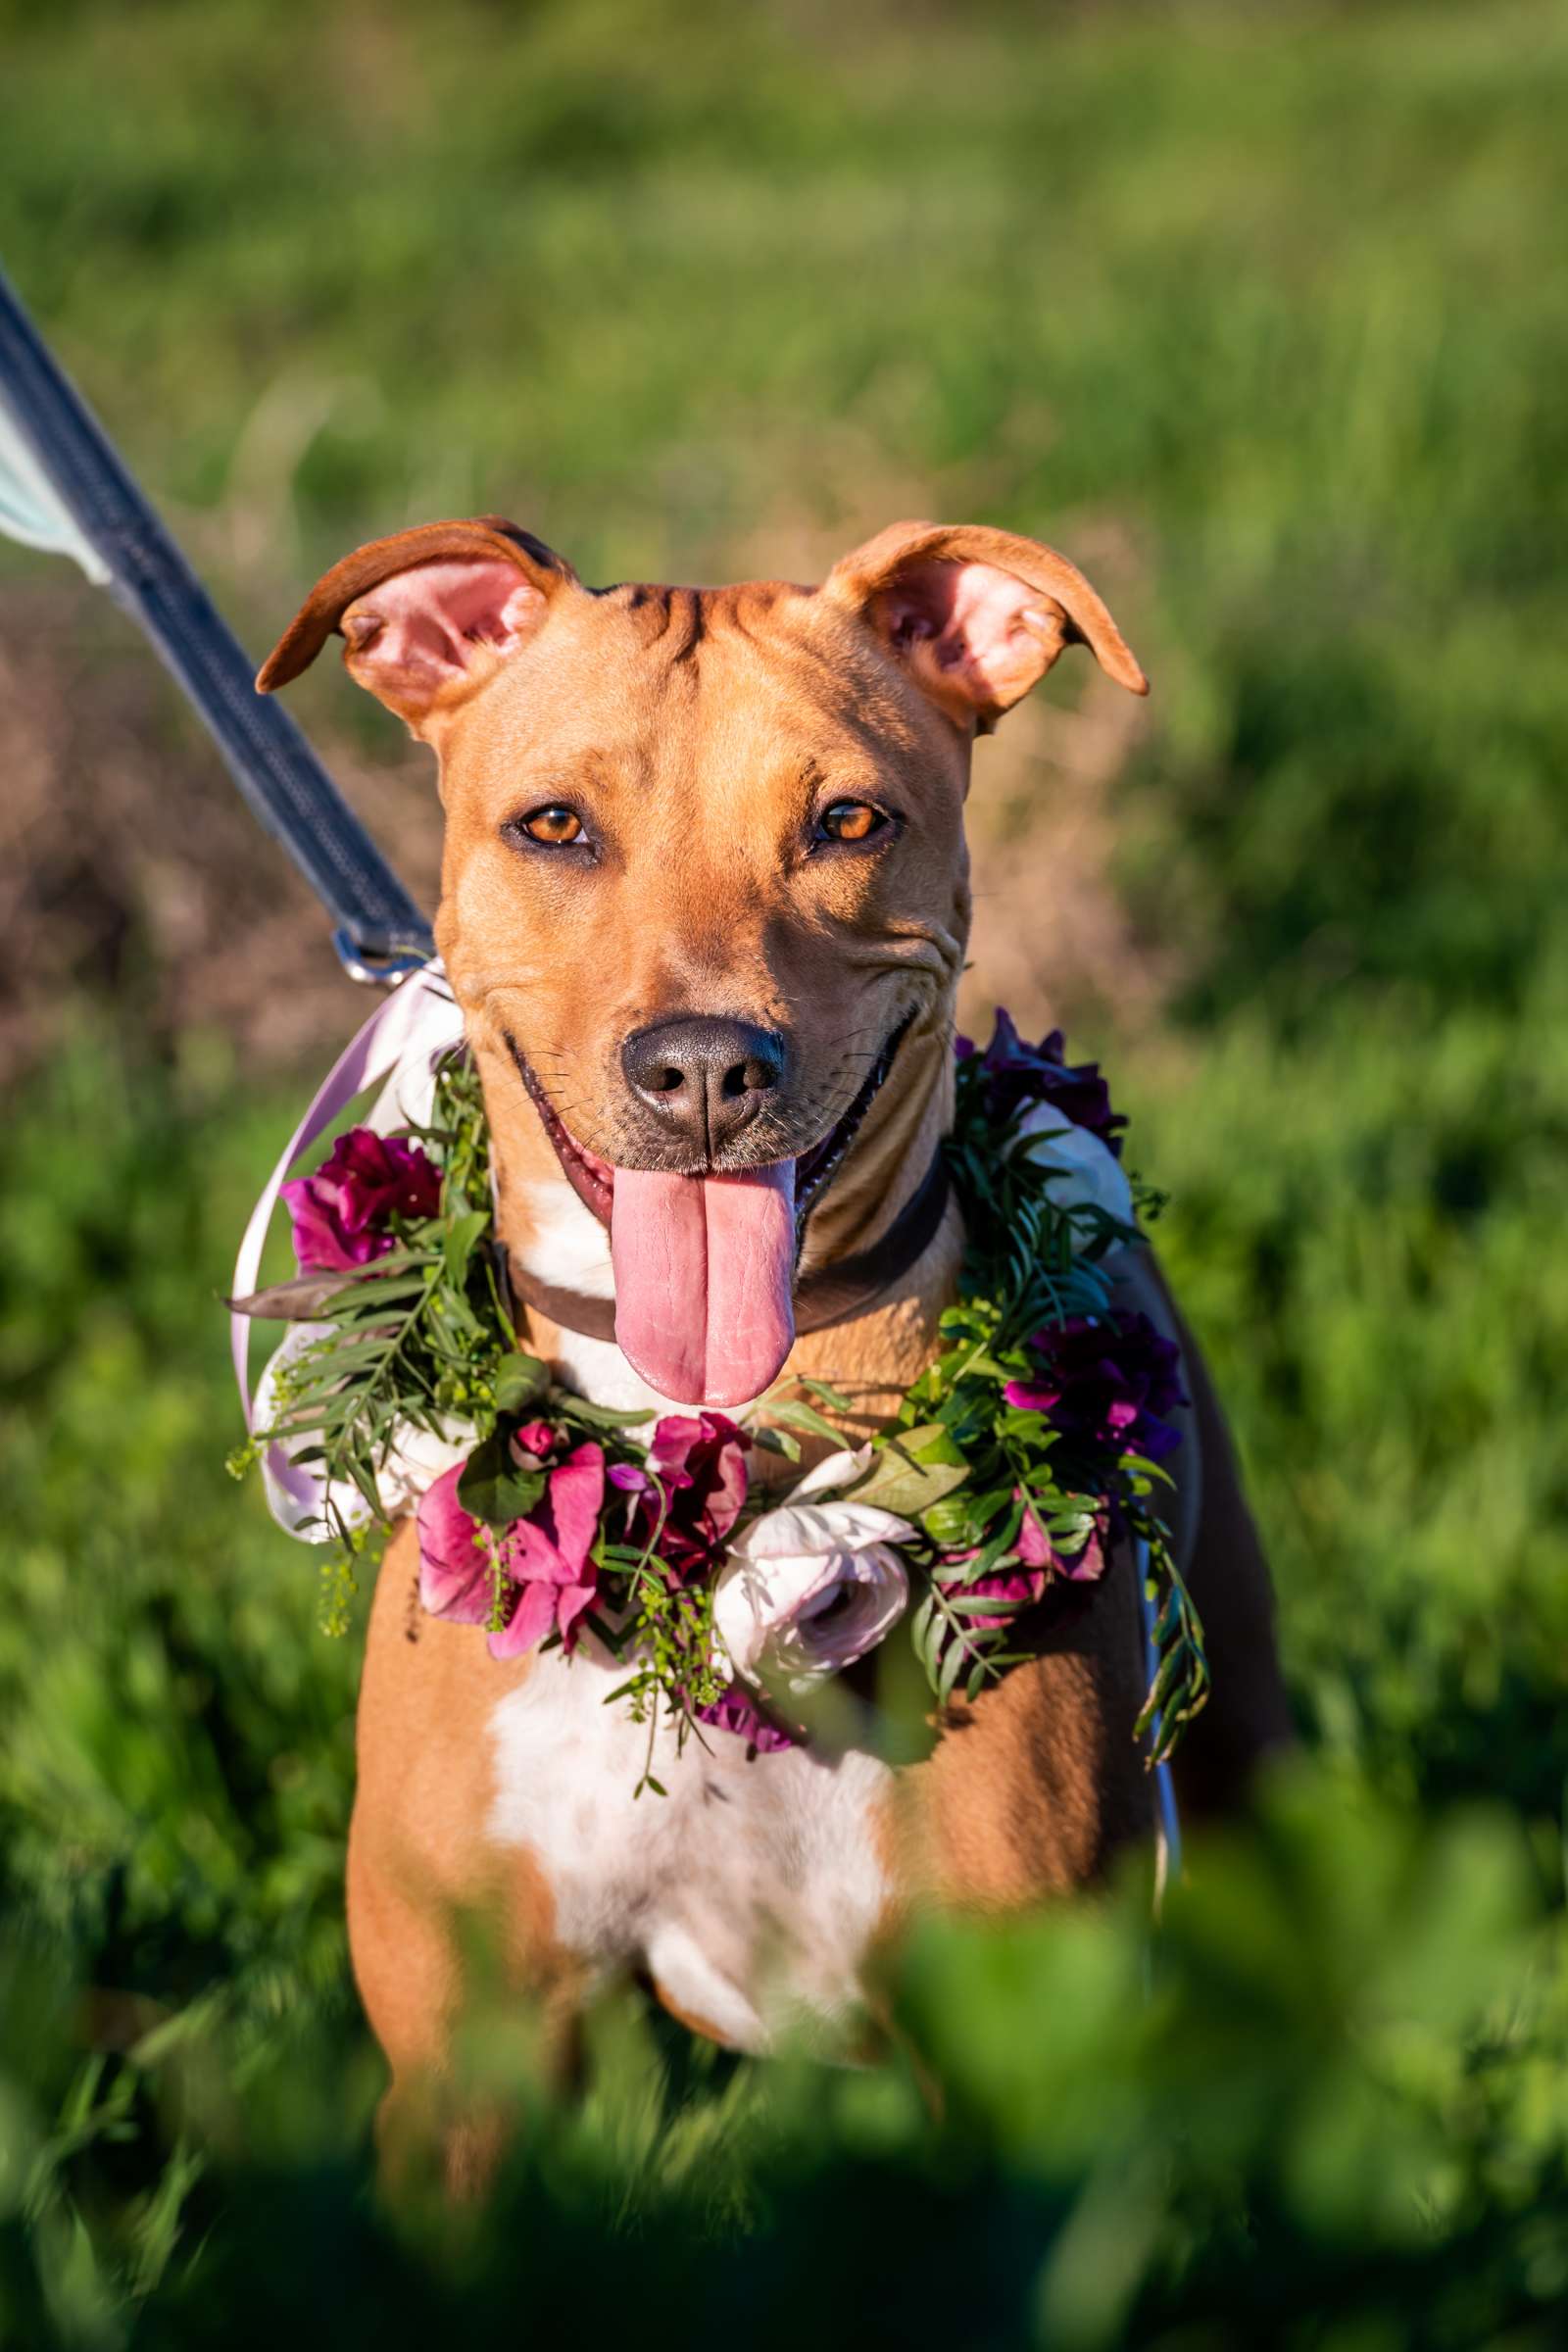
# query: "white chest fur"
{"type": "Point", "coordinates": [749, 1890]}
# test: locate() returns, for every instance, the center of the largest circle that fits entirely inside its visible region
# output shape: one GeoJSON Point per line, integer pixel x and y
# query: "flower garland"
{"type": "Point", "coordinates": [1035, 1440]}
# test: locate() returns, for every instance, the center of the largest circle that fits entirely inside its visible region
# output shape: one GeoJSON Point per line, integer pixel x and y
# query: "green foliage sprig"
{"type": "Point", "coordinates": [417, 1341]}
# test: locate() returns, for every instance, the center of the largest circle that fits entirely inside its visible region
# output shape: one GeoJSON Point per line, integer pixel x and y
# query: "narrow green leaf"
{"type": "Point", "coordinates": [462, 1234]}
{"type": "Point", "coordinates": [777, 1441]}
{"type": "Point", "coordinates": [519, 1381]}
{"type": "Point", "coordinates": [794, 1415]}
{"type": "Point", "coordinates": [598, 1416]}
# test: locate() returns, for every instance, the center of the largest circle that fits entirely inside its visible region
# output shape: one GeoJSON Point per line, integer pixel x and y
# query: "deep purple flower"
{"type": "Point", "coordinates": [1016, 1073]}
{"type": "Point", "coordinates": [548, 1580]}
{"type": "Point", "coordinates": [1110, 1381]}
{"type": "Point", "coordinates": [343, 1214]}
{"type": "Point", "coordinates": [697, 1463]}
{"type": "Point", "coordinates": [735, 1712]}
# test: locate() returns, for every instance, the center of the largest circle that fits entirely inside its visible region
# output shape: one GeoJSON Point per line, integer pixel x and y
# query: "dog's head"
{"type": "Point", "coordinates": [704, 878]}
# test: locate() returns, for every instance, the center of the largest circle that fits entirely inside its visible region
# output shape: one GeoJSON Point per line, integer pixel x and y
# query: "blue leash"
{"type": "Point", "coordinates": [1168, 1831]}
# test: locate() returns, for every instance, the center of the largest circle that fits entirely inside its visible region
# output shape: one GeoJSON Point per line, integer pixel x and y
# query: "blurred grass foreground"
{"type": "Point", "coordinates": [1259, 314]}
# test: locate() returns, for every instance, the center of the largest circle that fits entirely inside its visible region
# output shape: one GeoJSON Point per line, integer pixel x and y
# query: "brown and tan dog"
{"type": "Point", "coordinates": [705, 905]}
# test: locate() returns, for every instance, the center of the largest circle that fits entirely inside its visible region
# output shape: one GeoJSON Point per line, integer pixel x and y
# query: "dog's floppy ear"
{"type": "Point", "coordinates": [976, 616]}
{"type": "Point", "coordinates": [416, 609]}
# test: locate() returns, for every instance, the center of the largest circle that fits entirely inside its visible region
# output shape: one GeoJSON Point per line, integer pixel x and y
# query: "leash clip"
{"type": "Point", "coordinates": [375, 967]}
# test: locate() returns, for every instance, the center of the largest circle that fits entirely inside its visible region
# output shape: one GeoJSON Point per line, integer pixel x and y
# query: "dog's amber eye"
{"type": "Point", "coordinates": [555, 825]}
{"type": "Point", "coordinates": [850, 820]}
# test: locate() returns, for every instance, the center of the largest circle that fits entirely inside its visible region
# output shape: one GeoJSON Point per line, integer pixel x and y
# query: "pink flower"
{"type": "Point", "coordinates": [454, 1571]}
{"type": "Point", "coordinates": [1036, 1565]}
{"type": "Point", "coordinates": [1026, 1586]}
{"type": "Point", "coordinates": [735, 1711]}
{"type": "Point", "coordinates": [547, 1552]}
{"type": "Point", "coordinates": [343, 1214]}
{"type": "Point", "coordinates": [696, 1462]}
{"type": "Point", "coordinates": [548, 1581]}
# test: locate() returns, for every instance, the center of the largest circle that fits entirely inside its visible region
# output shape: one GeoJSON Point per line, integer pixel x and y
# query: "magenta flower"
{"type": "Point", "coordinates": [696, 1476]}
{"type": "Point", "coordinates": [1031, 1543]}
{"type": "Point", "coordinates": [1036, 1551]}
{"type": "Point", "coordinates": [629, 1479]}
{"type": "Point", "coordinates": [1025, 1584]}
{"type": "Point", "coordinates": [548, 1581]}
{"type": "Point", "coordinates": [1016, 1073]}
{"type": "Point", "coordinates": [1036, 1565]}
{"type": "Point", "coordinates": [343, 1214]}
{"type": "Point", "coordinates": [735, 1712]}
{"type": "Point", "coordinates": [454, 1571]}
{"type": "Point", "coordinates": [1107, 1381]}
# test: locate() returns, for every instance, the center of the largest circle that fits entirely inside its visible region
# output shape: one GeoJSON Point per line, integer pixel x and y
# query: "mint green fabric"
{"type": "Point", "coordinates": [31, 508]}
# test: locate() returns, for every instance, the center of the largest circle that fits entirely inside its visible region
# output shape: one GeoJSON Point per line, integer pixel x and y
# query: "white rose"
{"type": "Point", "coordinates": [415, 1460]}
{"type": "Point", "coordinates": [1087, 1174]}
{"type": "Point", "coordinates": [812, 1586]}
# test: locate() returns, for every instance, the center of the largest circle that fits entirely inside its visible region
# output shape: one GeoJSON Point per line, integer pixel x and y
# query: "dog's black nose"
{"type": "Point", "coordinates": [705, 1077]}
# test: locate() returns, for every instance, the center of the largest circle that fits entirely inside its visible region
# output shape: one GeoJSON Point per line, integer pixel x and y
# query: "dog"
{"type": "Point", "coordinates": [705, 902]}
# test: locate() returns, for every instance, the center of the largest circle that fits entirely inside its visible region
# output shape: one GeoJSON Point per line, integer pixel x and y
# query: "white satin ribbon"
{"type": "Point", "coordinates": [401, 1044]}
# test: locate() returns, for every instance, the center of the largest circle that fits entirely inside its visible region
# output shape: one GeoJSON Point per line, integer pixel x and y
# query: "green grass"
{"type": "Point", "coordinates": [1259, 313]}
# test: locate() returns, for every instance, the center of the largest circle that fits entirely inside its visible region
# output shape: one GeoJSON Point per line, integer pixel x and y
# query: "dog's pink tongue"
{"type": "Point", "coordinates": [703, 1279]}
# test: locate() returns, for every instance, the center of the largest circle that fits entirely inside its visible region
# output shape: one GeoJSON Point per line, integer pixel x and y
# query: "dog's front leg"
{"type": "Point", "coordinates": [441, 1924]}
{"type": "Point", "coordinates": [1035, 1787]}
{"type": "Point", "coordinates": [420, 1973]}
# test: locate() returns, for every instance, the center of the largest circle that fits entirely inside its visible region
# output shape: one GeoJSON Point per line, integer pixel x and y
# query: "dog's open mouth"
{"type": "Point", "coordinates": [704, 1264]}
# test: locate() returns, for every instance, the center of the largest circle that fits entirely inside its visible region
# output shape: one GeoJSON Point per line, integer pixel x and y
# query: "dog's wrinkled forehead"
{"type": "Point", "coordinates": [702, 702]}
